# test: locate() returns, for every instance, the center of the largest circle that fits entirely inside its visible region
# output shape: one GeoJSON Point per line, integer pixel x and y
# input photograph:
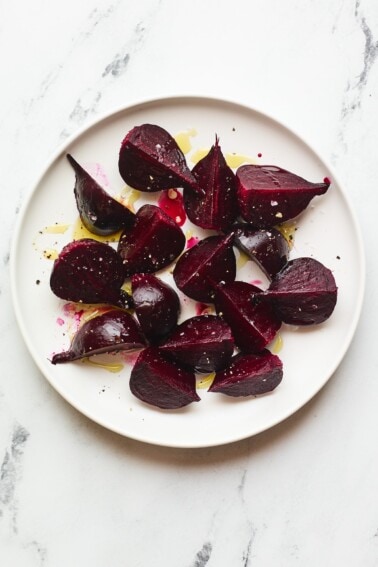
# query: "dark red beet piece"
{"type": "Point", "coordinates": [217, 209]}
{"type": "Point", "coordinates": [115, 330]}
{"type": "Point", "coordinates": [152, 243]}
{"type": "Point", "coordinates": [151, 160]}
{"type": "Point", "coordinates": [266, 246]}
{"type": "Point", "coordinates": [269, 195]}
{"type": "Point", "coordinates": [253, 324]}
{"type": "Point", "coordinates": [157, 305]}
{"type": "Point", "coordinates": [202, 343]}
{"type": "Point", "coordinates": [213, 257]}
{"type": "Point", "coordinates": [249, 375]}
{"type": "Point", "coordinates": [99, 212]}
{"type": "Point", "coordinates": [304, 292]}
{"type": "Point", "coordinates": [88, 271]}
{"type": "Point", "coordinates": [162, 383]}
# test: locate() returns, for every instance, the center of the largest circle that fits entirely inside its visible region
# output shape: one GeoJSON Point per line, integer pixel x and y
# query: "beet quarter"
{"type": "Point", "coordinates": [267, 247]}
{"type": "Point", "coordinates": [151, 160]}
{"type": "Point", "coordinates": [203, 343]}
{"type": "Point", "coordinates": [253, 324]}
{"type": "Point", "coordinates": [269, 195]}
{"type": "Point", "coordinates": [217, 209]}
{"type": "Point", "coordinates": [88, 271]}
{"type": "Point", "coordinates": [304, 292]}
{"type": "Point", "coordinates": [114, 330]}
{"type": "Point", "coordinates": [99, 212]}
{"type": "Point", "coordinates": [249, 375]}
{"type": "Point", "coordinates": [157, 305]}
{"type": "Point", "coordinates": [211, 258]}
{"type": "Point", "coordinates": [161, 382]}
{"type": "Point", "coordinates": [152, 243]}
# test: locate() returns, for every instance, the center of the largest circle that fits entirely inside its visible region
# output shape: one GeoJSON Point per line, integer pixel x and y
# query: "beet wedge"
{"type": "Point", "coordinates": [267, 247]}
{"type": "Point", "coordinates": [157, 306]}
{"type": "Point", "coordinates": [162, 383]}
{"type": "Point", "coordinates": [99, 212]}
{"type": "Point", "coordinates": [212, 257]}
{"type": "Point", "coordinates": [253, 324]}
{"type": "Point", "coordinates": [249, 375]}
{"type": "Point", "coordinates": [112, 331]}
{"type": "Point", "coordinates": [152, 243]}
{"type": "Point", "coordinates": [217, 209]}
{"type": "Point", "coordinates": [88, 271]}
{"type": "Point", "coordinates": [304, 292]}
{"type": "Point", "coordinates": [203, 343]}
{"type": "Point", "coordinates": [151, 160]}
{"type": "Point", "coordinates": [269, 195]}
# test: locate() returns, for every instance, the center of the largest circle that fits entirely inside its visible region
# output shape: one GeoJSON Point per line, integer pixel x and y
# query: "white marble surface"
{"type": "Point", "coordinates": [303, 493]}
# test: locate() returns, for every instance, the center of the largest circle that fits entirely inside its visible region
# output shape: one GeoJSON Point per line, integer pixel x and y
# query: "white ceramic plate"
{"type": "Point", "coordinates": [327, 231]}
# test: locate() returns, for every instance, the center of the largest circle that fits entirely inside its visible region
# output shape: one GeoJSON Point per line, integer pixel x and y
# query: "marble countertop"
{"type": "Point", "coordinates": [301, 493]}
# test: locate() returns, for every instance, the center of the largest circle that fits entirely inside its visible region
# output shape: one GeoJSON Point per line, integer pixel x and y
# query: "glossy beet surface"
{"type": "Point", "coordinates": [152, 243]}
{"type": "Point", "coordinates": [249, 375]}
{"type": "Point", "coordinates": [212, 258]}
{"type": "Point", "coordinates": [89, 271]}
{"type": "Point", "coordinates": [151, 160]}
{"type": "Point", "coordinates": [267, 247]}
{"type": "Point", "coordinates": [269, 195]}
{"type": "Point", "coordinates": [202, 343]}
{"type": "Point", "coordinates": [113, 331]}
{"type": "Point", "coordinates": [157, 305]}
{"type": "Point", "coordinates": [217, 209]}
{"type": "Point", "coordinates": [304, 292]}
{"type": "Point", "coordinates": [162, 383]}
{"type": "Point", "coordinates": [99, 212]}
{"type": "Point", "coordinates": [253, 325]}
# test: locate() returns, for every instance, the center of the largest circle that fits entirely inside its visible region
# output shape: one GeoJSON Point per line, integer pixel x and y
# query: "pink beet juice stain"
{"type": "Point", "coordinates": [201, 308]}
{"type": "Point", "coordinates": [130, 357]}
{"type": "Point", "coordinates": [259, 154]}
{"type": "Point", "coordinates": [70, 311]}
{"type": "Point", "coordinates": [256, 282]}
{"type": "Point", "coordinates": [192, 241]}
{"type": "Point", "coordinates": [60, 321]}
{"type": "Point", "coordinates": [172, 203]}
{"type": "Point", "coordinates": [98, 173]}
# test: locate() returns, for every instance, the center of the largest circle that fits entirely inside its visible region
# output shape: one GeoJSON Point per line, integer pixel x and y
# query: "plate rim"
{"type": "Point", "coordinates": [176, 99]}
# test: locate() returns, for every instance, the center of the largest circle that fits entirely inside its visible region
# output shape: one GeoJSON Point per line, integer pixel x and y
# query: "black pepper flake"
{"type": "Point", "coordinates": [233, 129]}
{"type": "Point", "coordinates": [37, 282]}
{"type": "Point", "coordinates": [338, 257]}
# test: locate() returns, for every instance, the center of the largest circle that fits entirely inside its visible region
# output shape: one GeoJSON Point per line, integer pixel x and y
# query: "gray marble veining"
{"type": "Point", "coordinates": [10, 473]}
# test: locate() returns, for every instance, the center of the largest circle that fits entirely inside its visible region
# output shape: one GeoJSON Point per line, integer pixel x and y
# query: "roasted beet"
{"type": "Point", "coordinates": [112, 331]}
{"type": "Point", "coordinates": [249, 375]}
{"type": "Point", "coordinates": [88, 271]}
{"type": "Point", "coordinates": [213, 257]}
{"type": "Point", "coordinates": [152, 243]}
{"type": "Point", "coordinates": [162, 383]}
{"type": "Point", "coordinates": [266, 246]}
{"type": "Point", "coordinates": [202, 343]}
{"type": "Point", "coordinates": [99, 212]}
{"type": "Point", "coordinates": [151, 160]}
{"type": "Point", "coordinates": [269, 195]}
{"type": "Point", "coordinates": [304, 292]}
{"type": "Point", "coordinates": [217, 209]}
{"type": "Point", "coordinates": [253, 324]}
{"type": "Point", "coordinates": [157, 305]}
